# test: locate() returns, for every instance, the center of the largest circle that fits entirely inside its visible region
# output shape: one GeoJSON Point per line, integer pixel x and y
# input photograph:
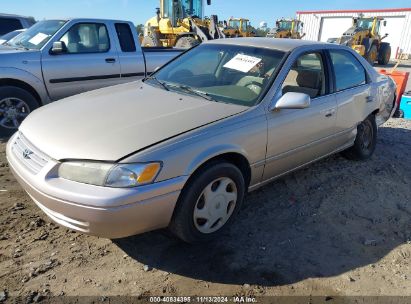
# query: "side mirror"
{"type": "Point", "coordinates": [59, 47]}
{"type": "Point", "coordinates": [208, 2]}
{"type": "Point", "coordinates": [385, 23]}
{"type": "Point", "coordinates": [293, 100]}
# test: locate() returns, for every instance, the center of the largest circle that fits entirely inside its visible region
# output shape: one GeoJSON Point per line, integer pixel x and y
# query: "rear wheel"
{"type": "Point", "coordinates": [186, 42]}
{"type": "Point", "coordinates": [208, 202]}
{"type": "Point", "coordinates": [15, 105]}
{"type": "Point", "coordinates": [384, 54]}
{"type": "Point", "coordinates": [365, 142]}
{"type": "Point", "coordinates": [372, 54]}
{"type": "Point", "coordinates": [151, 41]}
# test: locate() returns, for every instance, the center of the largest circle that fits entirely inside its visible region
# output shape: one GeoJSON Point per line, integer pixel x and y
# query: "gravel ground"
{"type": "Point", "coordinates": [334, 228]}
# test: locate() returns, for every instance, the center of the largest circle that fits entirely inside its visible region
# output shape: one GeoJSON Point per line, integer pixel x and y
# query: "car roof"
{"type": "Point", "coordinates": [285, 45]}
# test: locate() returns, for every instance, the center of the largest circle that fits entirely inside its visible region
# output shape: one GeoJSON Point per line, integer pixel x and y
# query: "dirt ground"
{"type": "Point", "coordinates": [334, 228]}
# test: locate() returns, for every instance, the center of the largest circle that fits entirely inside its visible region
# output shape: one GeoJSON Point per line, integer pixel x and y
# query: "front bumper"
{"type": "Point", "coordinates": [100, 211]}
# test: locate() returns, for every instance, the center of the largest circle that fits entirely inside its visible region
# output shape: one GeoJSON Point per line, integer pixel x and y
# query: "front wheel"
{"type": "Point", "coordinates": [372, 55]}
{"type": "Point", "coordinates": [15, 105]}
{"type": "Point", "coordinates": [365, 142]}
{"type": "Point", "coordinates": [208, 202]}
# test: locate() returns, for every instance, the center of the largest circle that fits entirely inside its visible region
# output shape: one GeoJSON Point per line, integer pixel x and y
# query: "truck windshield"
{"type": "Point", "coordinates": [365, 23]}
{"type": "Point", "coordinates": [37, 35]}
{"type": "Point", "coordinates": [182, 8]}
{"type": "Point", "coordinates": [285, 25]}
{"type": "Point", "coordinates": [222, 73]}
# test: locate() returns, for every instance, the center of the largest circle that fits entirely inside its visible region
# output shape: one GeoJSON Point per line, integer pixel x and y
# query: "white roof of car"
{"type": "Point", "coordinates": [272, 43]}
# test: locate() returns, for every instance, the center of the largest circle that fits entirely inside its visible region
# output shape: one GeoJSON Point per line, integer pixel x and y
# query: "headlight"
{"type": "Point", "coordinates": [110, 175]}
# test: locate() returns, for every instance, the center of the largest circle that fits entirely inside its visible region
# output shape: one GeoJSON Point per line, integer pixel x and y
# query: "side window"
{"type": "Point", "coordinates": [125, 36]}
{"type": "Point", "coordinates": [87, 38]}
{"type": "Point", "coordinates": [349, 72]}
{"type": "Point", "coordinates": [8, 25]}
{"type": "Point", "coordinates": [307, 75]}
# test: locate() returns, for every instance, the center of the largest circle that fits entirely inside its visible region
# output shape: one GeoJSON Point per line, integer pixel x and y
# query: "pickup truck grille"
{"type": "Point", "coordinates": [28, 155]}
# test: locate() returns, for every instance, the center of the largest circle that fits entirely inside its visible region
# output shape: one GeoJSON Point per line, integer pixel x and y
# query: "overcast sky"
{"type": "Point", "coordinates": [138, 11]}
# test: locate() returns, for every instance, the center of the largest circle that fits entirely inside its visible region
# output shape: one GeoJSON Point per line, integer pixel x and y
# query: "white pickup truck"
{"type": "Point", "coordinates": [55, 59]}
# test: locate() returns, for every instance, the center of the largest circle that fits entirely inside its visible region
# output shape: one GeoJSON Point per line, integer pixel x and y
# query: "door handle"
{"type": "Point", "coordinates": [330, 113]}
{"type": "Point", "coordinates": [110, 60]}
{"type": "Point", "coordinates": [370, 99]}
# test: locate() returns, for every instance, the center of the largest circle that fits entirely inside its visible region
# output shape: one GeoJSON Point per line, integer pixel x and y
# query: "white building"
{"type": "Point", "coordinates": [322, 25]}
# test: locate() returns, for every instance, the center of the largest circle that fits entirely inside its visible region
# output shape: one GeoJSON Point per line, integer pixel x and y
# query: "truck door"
{"type": "Point", "coordinates": [131, 57]}
{"type": "Point", "coordinates": [90, 61]}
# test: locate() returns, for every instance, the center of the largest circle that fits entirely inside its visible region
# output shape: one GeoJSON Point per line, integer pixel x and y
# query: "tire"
{"type": "Point", "coordinates": [365, 142]}
{"type": "Point", "coordinates": [187, 42]}
{"type": "Point", "coordinates": [384, 54]}
{"type": "Point", "coordinates": [151, 41]}
{"type": "Point", "coordinates": [218, 210]}
{"type": "Point", "coordinates": [372, 54]}
{"type": "Point", "coordinates": [15, 104]}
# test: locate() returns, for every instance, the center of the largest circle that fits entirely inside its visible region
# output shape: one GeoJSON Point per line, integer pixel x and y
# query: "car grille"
{"type": "Point", "coordinates": [28, 155]}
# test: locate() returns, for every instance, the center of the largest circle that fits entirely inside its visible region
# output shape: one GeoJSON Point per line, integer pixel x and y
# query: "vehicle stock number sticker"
{"type": "Point", "coordinates": [39, 38]}
{"type": "Point", "coordinates": [242, 63]}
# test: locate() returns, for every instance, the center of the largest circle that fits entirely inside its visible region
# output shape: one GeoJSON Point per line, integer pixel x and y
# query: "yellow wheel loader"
{"type": "Point", "coordinates": [181, 24]}
{"type": "Point", "coordinates": [238, 27]}
{"type": "Point", "coordinates": [364, 37]}
{"type": "Point", "coordinates": [287, 28]}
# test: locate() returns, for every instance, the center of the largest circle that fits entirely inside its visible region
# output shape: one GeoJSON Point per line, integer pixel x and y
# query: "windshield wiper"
{"type": "Point", "coordinates": [20, 46]}
{"type": "Point", "coordinates": [158, 81]}
{"type": "Point", "coordinates": [196, 92]}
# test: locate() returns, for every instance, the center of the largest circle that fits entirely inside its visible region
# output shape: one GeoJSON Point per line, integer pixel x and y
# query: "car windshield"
{"type": "Point", "coordinates": [11, 35]}
{"type": "Point", "coordinates": [222, 73]}
{"type": "Point", "coordinates": [37, 35]}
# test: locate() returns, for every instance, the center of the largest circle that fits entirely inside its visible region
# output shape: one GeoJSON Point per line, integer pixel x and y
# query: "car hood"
{"type": "Point", "coordinates": [111, 123]}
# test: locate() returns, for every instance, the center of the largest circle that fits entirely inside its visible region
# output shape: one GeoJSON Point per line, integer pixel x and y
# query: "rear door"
{"type": "Point", "coordinates": [353, 92]}
{"type": "Point", "coordinates": [298, 136]}
{"type": "Point", "coordinates": [131, 57]}
{"type": "Point", "coordinates": [90, 62]}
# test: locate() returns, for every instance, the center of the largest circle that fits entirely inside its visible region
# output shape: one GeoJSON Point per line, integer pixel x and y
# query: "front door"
{"type": "Point", "coordinates": [90, 62]}
{"type": "Point", "coordinates": [298, 136]}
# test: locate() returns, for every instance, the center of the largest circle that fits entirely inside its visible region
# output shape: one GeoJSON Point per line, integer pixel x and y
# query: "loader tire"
{"type": "Point", "coordinates": [372, 54]}
{"type": "Point", "coordinates": [151, 41]}
{"type": "Point", "coordinates": [384, 54]}
{"type": "Point", "coordinates": [186, 42]}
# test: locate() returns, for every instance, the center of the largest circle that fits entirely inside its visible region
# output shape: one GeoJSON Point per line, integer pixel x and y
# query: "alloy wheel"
{"type": "Point", "coordinates": [12, 112]}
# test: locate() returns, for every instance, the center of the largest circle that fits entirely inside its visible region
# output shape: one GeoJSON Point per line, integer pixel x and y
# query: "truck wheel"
{"type": "Point", "coordinates": [372, 54]}
{"type": "Point", "coordinates": [208, 203]}
{"type": "Point", "coordinates": [187, 42]}
{"type": "Point", "coordinates": [365, 142]}
{"type": "Point", "coordinates": [15, 105]}
{"type": "Point", "coordinates": [151, 41]}
{"type": "Point", "coordinates": [384, 54]}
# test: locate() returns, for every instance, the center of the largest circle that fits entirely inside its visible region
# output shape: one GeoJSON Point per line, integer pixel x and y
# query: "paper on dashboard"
{"type": "Point", "coordinates": [242, 63]}
{"type": "Point", "coordinates": [39, 38]}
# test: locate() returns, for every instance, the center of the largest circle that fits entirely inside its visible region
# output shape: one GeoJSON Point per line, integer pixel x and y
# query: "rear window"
{"type": "Point", "coordinates": [125, 36]}
{"type": "Point", "coordinates": [349, 72]}
{"type": "Point", "coordinates": [8, 25]}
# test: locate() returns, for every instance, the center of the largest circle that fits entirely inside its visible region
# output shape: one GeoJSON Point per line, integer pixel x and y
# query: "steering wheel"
{"type": "Point", "coordinates": [254, 86]}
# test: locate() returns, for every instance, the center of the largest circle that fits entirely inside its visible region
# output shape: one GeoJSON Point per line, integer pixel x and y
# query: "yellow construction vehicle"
{"type": "Point", "coordinates": [180, 23]}
{"type": "Point", "coordinates": [238, 27]}
{"type": "Point", "coordinates": [364, 37]}
{"type": "Point", "coordinates": [287, 28]}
